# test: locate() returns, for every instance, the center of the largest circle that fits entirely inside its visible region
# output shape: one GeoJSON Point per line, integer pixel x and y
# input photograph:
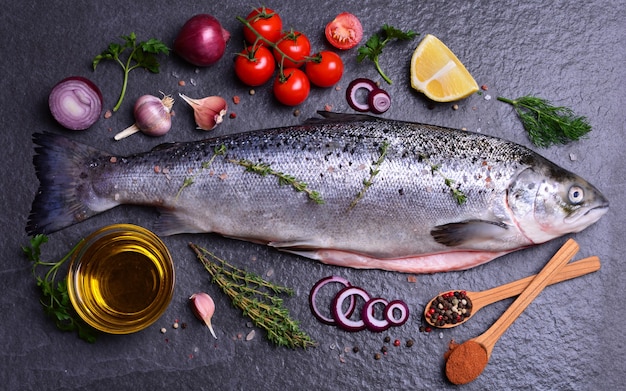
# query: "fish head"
{"type": "Point", "coordinates": [548, 201]}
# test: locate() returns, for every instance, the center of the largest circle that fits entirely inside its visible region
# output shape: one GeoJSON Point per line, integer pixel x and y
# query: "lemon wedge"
{"type": "Point", "coordinates": [438, 73]}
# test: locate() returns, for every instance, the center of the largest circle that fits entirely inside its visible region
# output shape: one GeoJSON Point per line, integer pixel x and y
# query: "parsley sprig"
{"type": "Point", "coordinates": [142, 55]}
{"type": "Point", "coordinates": [55, 299]}
{"type": "Point", "coordinates": [374, 46]}
{"type": "Point", "coordinates": [547, 124]}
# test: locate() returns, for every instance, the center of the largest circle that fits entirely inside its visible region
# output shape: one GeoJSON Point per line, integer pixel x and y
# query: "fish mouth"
{"type": "Point", "coordinates": [584, 218]}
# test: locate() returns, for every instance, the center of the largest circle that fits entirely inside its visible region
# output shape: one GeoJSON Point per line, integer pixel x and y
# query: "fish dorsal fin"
{"type": "Point", "coordinates": [334, 117]}
{"type": "Point", "coordinates": [467, 232]}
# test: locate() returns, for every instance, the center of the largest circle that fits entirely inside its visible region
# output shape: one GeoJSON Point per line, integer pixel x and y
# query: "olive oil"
{"type": "Point", "coordinates": [121, 280]}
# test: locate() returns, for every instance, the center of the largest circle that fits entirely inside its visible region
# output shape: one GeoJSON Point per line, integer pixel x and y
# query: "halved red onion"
{"type": "Point", "coordinates": [353, 88]}
{"type": "Point", "coordinates": [368, 314]}
{"type": "Point", "coordinates": [379, 101]}
{"type": "Point", "coordinates": [75, 103]}
{"type": "Point", "coordinates": [313, 297]}
{"type": "Point", "coordinates": [342, 320]}
{"type": "Point", "coordinates": [390, 312]}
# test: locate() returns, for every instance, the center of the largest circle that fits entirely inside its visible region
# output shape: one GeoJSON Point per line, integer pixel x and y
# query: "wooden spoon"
{"type": "Point", "coordinates": [465, 362]}
{"type": "Point", "coordinates": [481, 299]}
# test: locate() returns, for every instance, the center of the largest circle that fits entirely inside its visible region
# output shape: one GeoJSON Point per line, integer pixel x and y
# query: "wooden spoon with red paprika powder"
{"type": "Point", "coordinates": [465, 362]}
{"type": "Point", "coordinates": [452, 308]}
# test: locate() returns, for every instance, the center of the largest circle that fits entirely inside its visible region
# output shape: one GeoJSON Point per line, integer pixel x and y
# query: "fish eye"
{"type": "Point", "coordinates": [576, 194]}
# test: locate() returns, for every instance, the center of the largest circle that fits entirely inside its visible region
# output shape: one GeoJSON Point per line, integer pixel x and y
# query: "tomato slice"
{"type": "Point", "coordinates": [345, 31]}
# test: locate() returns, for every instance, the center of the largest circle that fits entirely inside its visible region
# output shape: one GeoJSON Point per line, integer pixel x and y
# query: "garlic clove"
{"type": "Point", "coordinates": [203, 307]}
{"type": "Point", "coordinates": [208, 112]}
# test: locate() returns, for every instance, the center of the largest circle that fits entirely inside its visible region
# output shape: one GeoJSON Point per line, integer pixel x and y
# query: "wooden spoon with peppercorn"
{"type": "Point", "coordinates": [465, 362]}
{"type": "Point", "coordinates": [452, 308]}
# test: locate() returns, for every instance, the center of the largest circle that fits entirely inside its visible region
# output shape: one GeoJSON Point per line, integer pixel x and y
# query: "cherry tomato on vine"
{"type": "Point", "coordinates": [295, 45]}
{"type": "Point", "coordinates": [292, 88]}
{"type": "Point", "coordinates": [327, 71]}
{"type": "Point", "coordinates": [345, 31]}
{"type": "Point", "coordinates": [255, 65]}
{"type": "Point", "coordinates": [266, 22]}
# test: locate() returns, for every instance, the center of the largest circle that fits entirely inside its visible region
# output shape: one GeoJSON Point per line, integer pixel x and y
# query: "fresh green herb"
{"type": "Point", "coordinates": [188, 181]}
{"type": "Point", "coordinates": [264, 169]}
{"type": "Point", "coordinates": [55, 299]}
{"type": "Point", "coordinates": [257, 299]}
{"type": "Point", "coordinates": [546, 124]}
{"type": "Point", "coordinates": [373, 172]}
{"type": "Point", "coordinates": [141, 56]}
{"type": "Point", "coordinates": [457, 193]}
{"type": "Point", "coordinates": [374, 46]}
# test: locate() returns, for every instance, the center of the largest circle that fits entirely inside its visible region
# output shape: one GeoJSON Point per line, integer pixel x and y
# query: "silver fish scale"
{"type": "Point", "coordinates": [407, 195]}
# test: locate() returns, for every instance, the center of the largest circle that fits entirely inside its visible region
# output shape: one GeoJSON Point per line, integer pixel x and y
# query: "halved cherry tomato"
{"type": "Point", "coordinates": [327, 71]}
{"type": "Point", "coordinates": [255, 65]}
{"type": "Point", "coordinates": [266, 22]}
{"type": "Point", "coordinates": [292, 88]}
{"type": "Point", "coordinates": [295, 45]}
{"type": "Point", "coordinates": [345, 31]}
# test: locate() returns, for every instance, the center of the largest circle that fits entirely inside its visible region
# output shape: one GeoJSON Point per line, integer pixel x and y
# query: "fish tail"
{"type": "Point", "coordinates": [58, 203]}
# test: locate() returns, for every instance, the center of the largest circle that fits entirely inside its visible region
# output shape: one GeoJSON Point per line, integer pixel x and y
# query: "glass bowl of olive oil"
{"type": "Point", "coordinates": [121, 279]}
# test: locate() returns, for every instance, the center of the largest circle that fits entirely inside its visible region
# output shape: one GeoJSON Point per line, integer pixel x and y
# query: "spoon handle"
{"type": "Point", "coordinates": [489, 338]}
{"type": "Point", "coordinates": [569, 271]}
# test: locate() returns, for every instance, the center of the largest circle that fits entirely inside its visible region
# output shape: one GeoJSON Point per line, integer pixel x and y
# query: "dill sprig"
{"type": "Point", "coordinates": [373, 172]}
{"type": "Point", "coordinates": [257, 299]}
{"type": "Point", "coordinates": [435, 169]}
{"type": "Point", "coordinates": [188, 181]}
{"type": "Point", "coordinates": [547, 124]}
{"type": "Point", "coordinates": [264, 169]}
{"type": "Point", "coordinates": [55, 299]}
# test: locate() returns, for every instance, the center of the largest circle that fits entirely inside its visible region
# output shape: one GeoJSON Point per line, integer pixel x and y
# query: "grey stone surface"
{"type": "Point", "coordinates": [570, 338]}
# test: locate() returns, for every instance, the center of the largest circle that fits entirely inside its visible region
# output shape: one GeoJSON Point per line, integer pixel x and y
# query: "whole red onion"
{"type": "Point", "coordinates": [202, 40]}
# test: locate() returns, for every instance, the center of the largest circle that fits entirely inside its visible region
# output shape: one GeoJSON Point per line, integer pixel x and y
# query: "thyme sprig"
{"type": "Point", "coordinates": [55, 299]}
{"type": "Point", "coordinates": [190, 180]}
{"type": "Point", "coordinates": [547, 124]}
{"type": "Point", "coordinates": [265, 169]}
{"type": "Point", "coordinates": [257, 299]}
{"type": "Point", "coordinates": [373, 172]}
{"type": "Point", "coordinates": [435, 169]}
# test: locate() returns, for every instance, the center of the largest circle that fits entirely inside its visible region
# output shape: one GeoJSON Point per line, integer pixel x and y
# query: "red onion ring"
{"type": "Point", "coordinates": [379, 101]}
{"type": "Point", "coordinates": [371, 322]}
{"type": "Point", "coordinates": [313, 295]}
{"type": "Point", "coordinates": [351, 93]}
{"type": "Point", "coordinates": [342, 320]}
{"type": "Point", "coordinates": [404, 312]}
{"type": "Point", "coordinates": [75, 103]}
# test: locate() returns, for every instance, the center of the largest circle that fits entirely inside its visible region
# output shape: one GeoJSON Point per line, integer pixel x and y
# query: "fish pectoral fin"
{"type": "Point", "coordinates": [467, 232]}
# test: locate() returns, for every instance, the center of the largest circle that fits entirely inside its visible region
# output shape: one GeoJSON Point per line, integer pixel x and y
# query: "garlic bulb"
{"type": "Point", "coordinates": [152, 116]}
